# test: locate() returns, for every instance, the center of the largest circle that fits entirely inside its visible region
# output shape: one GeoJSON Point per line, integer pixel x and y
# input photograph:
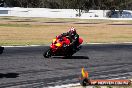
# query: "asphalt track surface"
{"type": "Point", "coordinates": [26, 67]}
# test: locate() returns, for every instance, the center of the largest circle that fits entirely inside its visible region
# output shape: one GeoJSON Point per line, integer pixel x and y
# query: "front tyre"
{"type": "Point", "coordinates": [47, 53]}
{"type": "Point", "coordinates": [1, 49]}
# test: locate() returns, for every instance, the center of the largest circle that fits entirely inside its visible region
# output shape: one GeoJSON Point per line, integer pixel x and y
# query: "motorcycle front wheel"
{"type": "Point", "coordinates": [1, 49]}
{"type": "Point", "coordinates": [47, 53]}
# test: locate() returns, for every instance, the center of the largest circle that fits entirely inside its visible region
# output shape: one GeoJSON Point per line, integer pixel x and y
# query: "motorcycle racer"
{"type": "Point", "coordinates": [73, 37]}
{"type": "Point", "coordinates": [65, 44]}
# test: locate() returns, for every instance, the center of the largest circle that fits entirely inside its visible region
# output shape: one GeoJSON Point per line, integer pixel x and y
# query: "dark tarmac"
{"type": "Point", "coordinates": [26, 67]}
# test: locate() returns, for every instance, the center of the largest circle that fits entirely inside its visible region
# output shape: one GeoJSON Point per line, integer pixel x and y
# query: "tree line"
{"type": "Point", "coordinates": [70, 4]}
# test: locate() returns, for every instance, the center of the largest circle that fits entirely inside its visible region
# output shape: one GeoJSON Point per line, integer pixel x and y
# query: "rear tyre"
{"type": "Point", "coordinates": [47, 53]}
{"type": "Point", "coordinates": [68, 56]}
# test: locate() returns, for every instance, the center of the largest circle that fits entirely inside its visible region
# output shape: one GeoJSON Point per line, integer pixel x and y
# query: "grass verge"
{"type": "Point", "coordinates": [40, 31]}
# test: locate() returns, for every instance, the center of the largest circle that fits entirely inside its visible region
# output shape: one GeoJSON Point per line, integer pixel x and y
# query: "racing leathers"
{"type": "Point", "coordinates": [74, 39]}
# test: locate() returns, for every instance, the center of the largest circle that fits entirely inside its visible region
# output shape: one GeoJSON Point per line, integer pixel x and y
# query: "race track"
{"type": "Point", "coordinates": [26, 67]}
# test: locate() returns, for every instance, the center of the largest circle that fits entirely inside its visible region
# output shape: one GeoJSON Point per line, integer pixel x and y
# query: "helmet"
{"type": "Point", "coordinates": [59, 36]}
{"type": "Point", "coordinates": [72, 31]}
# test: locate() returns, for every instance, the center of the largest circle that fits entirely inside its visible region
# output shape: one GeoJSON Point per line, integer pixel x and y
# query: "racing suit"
{"type": "Point", "coordinates": [74, 39]}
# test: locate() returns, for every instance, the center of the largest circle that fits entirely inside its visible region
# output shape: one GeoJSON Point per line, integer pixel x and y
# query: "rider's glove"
{"type": "Point", "coordinates": [64, 45]}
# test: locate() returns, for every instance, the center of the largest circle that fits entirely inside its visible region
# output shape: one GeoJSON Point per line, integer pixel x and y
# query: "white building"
{"type": "Point", "coordinates": [59, 13]}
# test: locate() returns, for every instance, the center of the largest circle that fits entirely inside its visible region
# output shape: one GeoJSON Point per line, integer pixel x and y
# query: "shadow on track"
{"type": "Point", "coordinates": [72, 57]}
{"type": "Point", "coordinates": [9, 75]}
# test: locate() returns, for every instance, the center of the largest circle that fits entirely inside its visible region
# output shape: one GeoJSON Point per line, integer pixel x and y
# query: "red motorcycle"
{"type": "Point", "coordinates": [62, 47]}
